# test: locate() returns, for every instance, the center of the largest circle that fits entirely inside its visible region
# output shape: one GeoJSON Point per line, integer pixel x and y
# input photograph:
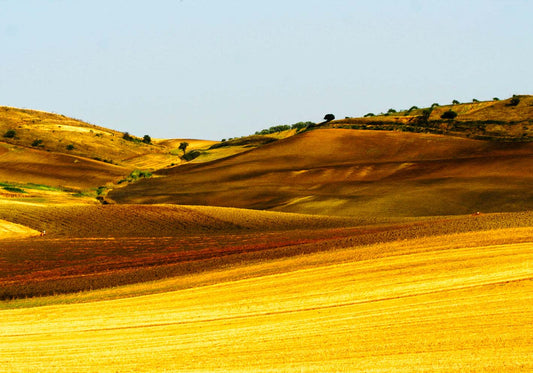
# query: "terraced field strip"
{"type": "Point", "coordinates": [453, 309]}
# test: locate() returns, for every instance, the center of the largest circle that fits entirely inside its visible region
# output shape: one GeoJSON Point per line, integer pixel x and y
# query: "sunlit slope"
{"type": "Point", "coordinates": [60, 134]}
{"type": "Point", "coordinates": [350, 172]}
{"type": "Point", "coordinates": [11, 230]}
{"type": "Point", "coordinates": [448, 303]}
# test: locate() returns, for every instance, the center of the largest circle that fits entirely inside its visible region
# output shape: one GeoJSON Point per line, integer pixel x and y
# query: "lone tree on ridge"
{"type": "Point", "coordinates": [183, 146]}
{"type": "Point", "coordinates": [329, 117]}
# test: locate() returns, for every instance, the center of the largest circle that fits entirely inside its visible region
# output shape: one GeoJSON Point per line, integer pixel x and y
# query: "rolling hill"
{"type": "Point", "coordinates": [356, 173]}
{"type": "Point", "coordinates": [392, 250]}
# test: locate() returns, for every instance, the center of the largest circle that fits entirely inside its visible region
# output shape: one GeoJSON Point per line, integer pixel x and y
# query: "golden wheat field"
{"type": "Point", "coordinates": [449, 303]}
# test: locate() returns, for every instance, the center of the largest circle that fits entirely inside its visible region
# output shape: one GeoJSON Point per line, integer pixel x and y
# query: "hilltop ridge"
{"type": "Point", "coordinates": [499, 120]}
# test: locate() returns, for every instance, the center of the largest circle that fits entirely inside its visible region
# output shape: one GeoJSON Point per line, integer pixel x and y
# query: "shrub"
{"type": "Point", "coordinates": [369, 115]}
{"type": "Point", "coordinates": [14, 189]}
{"type": "Point", "coordinates": [191, 155]}
{"type": "Point", "coordinates": [426, 113]}
{"type": "Point", "coordinates": [455, 102]}
{"type": "Point", "coordinates": [391, 111]}
{"type": "Point", "coordinates": [413, 108]}
{"type": "Point", "coordinates": [147, 139]}
{"type": "Point", "coordinates": [126, 136]}
{"type": "Point", "coordinates": [10, 134]}
{"type": "Point", "coordinates": [70, 147]}
{"type": "Point", "coordinates": [514, 101]}
{"type": "Point", "coordinates": [37, 142]}
{"type": "Point", "coordinates": [496, 99]}
{"type": "Point", "coordinates": [450, 114]}
{"type": "Point", "coordinates": [475, 100]}
{"type": "Point", "coordinates": [302, 125]}
{"type": "Point", "coordinates": [434, 104]}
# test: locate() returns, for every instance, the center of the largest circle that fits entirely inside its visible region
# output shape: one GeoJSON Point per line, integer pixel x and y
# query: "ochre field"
{"type": "Point", "coordinates": [325, 250]}
{"type": "Point", "coordinates": [449, 303]}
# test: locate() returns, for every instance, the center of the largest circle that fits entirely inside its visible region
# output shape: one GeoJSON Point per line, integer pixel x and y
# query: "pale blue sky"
{"type": "Point", "coordinates": [217, 69]}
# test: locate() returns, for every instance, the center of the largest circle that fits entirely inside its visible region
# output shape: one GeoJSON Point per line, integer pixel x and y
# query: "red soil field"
{"type": "Point", "coordinates": [41, 266]}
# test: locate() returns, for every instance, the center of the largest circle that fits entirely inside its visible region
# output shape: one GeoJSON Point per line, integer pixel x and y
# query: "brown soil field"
{"type": "Point", "coordinates": [357, 173]}
{"type": "Point", "coordinates": [174, 241]}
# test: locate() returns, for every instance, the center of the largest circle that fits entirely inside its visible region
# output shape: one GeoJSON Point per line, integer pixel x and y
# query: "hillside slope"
{"type": "Point", "coordinates": [359, 173]}
{"type": "Point", "coordinates": [501, 120]}
{"type": "Point", "coordinates": [60, 134]}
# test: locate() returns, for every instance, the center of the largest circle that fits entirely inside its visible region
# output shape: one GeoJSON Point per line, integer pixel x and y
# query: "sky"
{"type": "Point", "coordinates": [213, 69]}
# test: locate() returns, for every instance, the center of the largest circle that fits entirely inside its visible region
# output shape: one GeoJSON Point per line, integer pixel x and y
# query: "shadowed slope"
{"type": "Point", "coordinates": [348, 172]}
{"type": "Point", "coordinates": [55, 169]}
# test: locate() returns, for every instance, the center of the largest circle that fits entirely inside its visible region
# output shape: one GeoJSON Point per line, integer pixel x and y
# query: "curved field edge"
{"type": "Point", "coordinates": [248, 266]}
{"type": "Point", "coordinates": [454, 303]}
{"type": "Point", "coordinates": [45, 266]}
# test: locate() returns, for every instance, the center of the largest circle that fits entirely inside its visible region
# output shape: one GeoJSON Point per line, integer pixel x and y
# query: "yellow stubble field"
{"type": "Point", "coordinates": [461, 302]}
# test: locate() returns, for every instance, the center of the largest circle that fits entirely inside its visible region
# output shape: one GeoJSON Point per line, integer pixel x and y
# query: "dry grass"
{"type": "Point", "coordinates": [454, 303]}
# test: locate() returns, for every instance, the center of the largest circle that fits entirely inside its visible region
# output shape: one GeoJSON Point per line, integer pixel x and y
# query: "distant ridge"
{"type": "Point", "coordinates": [499, 120]}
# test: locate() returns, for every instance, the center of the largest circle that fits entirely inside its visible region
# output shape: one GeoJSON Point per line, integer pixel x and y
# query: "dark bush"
{"type": "Point", "coordinates": [10, 134]}
{"type": "Point", "coordinates": [455, 102]}
{"type": "Point", "coordinates": [450, 114]}
{"type": "Point", "coordinates": [369, 115]}
{"type": "Point", "coordinates": [515, 100]}
{"type": "Point", "coordinates": [70, 147]}
{"type": "Point", "coordinates": [147, 139]}
{"type": "Point", "coordinates": [37, 142]}
{"type": "Point", "coordinates": [191, 155]}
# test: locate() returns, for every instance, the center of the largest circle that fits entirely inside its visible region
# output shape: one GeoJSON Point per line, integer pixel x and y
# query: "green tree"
{"type": "Point", "coordinates": [455, 102]}
{"type": "Point", "coordinates": [329, 117]}
{"type": "Point", "coordinates": [183, 146]}
{"type": "Point", "coordinates": [147, 139]}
